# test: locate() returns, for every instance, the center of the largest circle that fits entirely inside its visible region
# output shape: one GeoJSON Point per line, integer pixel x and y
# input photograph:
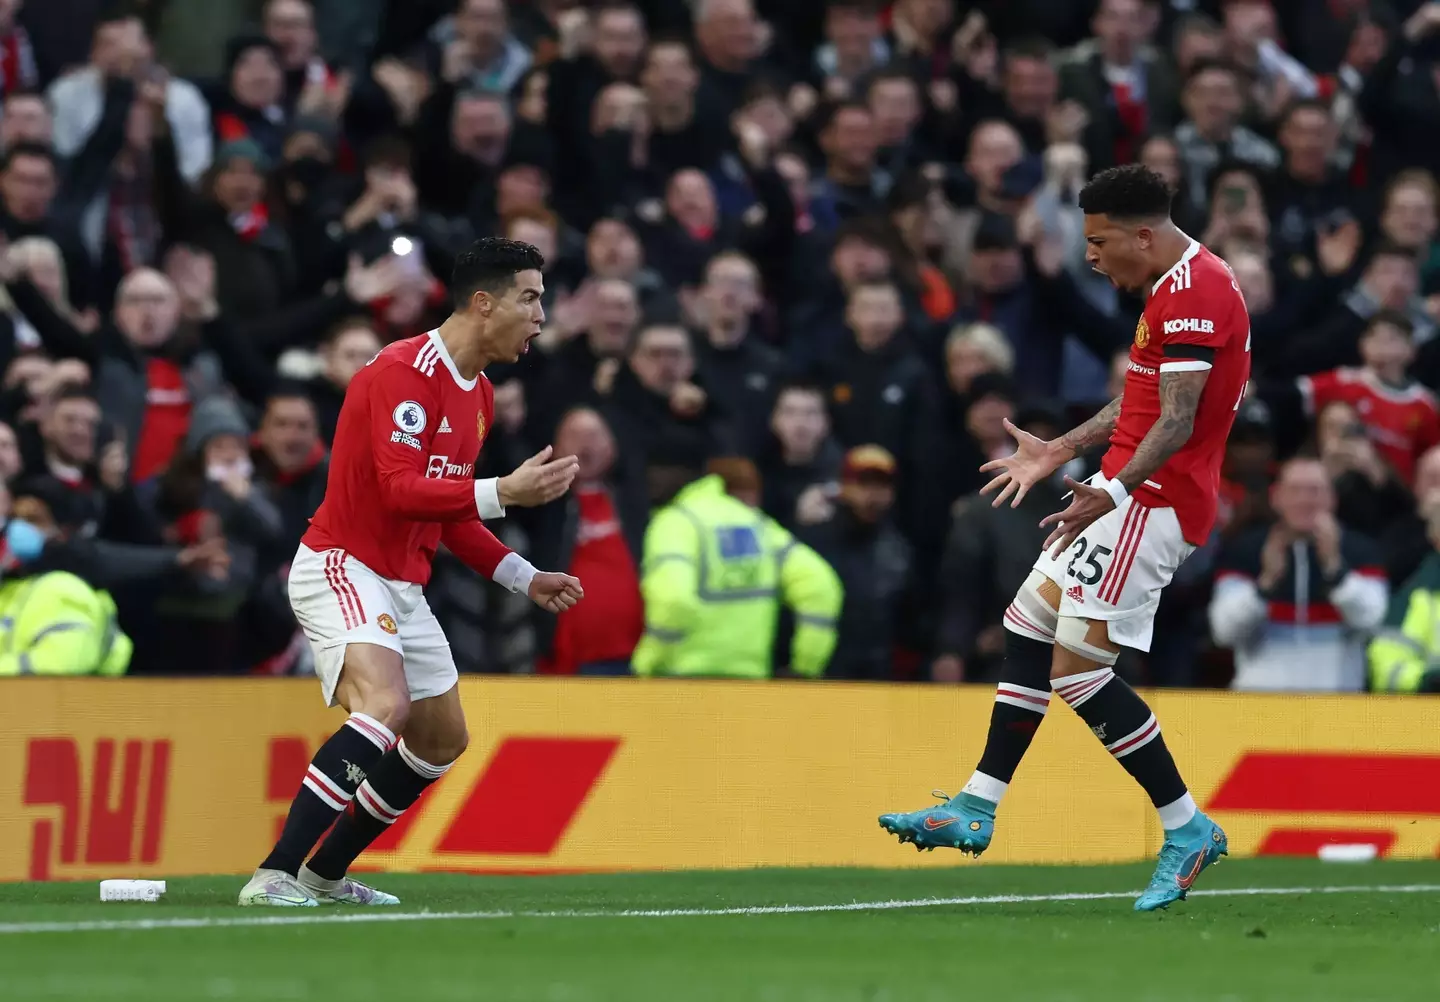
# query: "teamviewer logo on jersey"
{"type": "Point", "coordinates": [409, 417]}
{"type": "Point", "coordinates": [435, 469]}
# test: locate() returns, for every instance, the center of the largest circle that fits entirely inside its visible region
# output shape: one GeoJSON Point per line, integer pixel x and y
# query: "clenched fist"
{"type": "Point", "coordinates": [555, 592]}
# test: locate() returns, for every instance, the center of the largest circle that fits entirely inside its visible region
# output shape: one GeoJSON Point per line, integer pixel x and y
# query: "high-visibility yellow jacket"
{"type": "Point", "coordinates": [1405, 654]}
{"type": "Point", "coordinates": [713, 576]}
{"type": "Point", "coordinates": [56, 624]}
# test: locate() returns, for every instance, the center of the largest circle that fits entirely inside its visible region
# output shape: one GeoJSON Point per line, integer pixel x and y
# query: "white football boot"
{"type": "Point", "coordinates": [276, 889]}
{"type": "Point", "coordinates": [345, 891]}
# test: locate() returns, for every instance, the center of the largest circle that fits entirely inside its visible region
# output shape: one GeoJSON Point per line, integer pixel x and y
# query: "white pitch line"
{"type": "Point", "coordinates": [384, 915]}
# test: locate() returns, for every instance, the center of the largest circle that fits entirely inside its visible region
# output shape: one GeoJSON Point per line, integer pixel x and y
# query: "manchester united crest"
{"type": "Point", "coordinates": [387, 623]}
{"type": "Point", "coordinates": [480, 426]}
{"type": "Point", "coordinates": [1142, 333]}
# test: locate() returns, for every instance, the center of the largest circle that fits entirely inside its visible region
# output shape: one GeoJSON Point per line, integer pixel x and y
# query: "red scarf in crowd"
{"type": "Point", "coordinates": [17, 62]}
{"type": "Point", "coordinates": [250, 224]}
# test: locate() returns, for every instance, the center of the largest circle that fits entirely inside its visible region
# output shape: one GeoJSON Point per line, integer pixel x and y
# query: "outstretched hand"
{"type": "Point", "coordinates": [1087, 505]}
{"type": "Point", "coordinates": [555, 592]}
{"type": "Point", "coordinates": [539, 480]}
{"type": "Point", "coordinates": [1032, 461]}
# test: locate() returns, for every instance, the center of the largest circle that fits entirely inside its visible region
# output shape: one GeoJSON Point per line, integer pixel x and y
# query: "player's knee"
{"type": "Point", "coordinates": [439, 748]}
{"type": "Point", "coordinates": [1032, 613]}
{"type": "Point", "coordinates": [390, 706]}
{"type": "Point", "coordinates": [373, 682]}
{"type": "Point", "coordinates": [1081, 645]}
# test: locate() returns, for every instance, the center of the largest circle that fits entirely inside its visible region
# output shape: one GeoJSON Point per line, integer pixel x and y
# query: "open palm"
{"type": "Point", "coordinates": [1032, 461]}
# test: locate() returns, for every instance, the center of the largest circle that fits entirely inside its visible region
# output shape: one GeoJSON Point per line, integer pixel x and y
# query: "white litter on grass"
{"type": "Point", "coordinates": [389, 915]}
{"type": "Point", "coordinates": [1362, 852]}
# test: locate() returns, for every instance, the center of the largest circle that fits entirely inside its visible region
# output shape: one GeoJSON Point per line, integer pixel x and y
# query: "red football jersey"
{"type": "Point", "coordinates": [1403, 423]}
{"type": "Point", "coordinates": [1195, 318]}
{"type": "Point", "coordinates": [402, 470]}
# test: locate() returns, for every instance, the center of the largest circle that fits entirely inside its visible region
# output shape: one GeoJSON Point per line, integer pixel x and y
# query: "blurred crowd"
{"type": "Point", "coordinates": [833, 243]}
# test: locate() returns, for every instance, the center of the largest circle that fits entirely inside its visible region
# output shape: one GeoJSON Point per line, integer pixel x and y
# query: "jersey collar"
{"type": "Point", "coordinates": [465, 384]}
{"type": "Point", "coordinates": [1190, 252]}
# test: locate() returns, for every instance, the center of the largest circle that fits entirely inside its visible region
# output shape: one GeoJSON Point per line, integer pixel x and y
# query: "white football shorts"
{"type": "Point", "coordinates": [339, 601]}
{"type": "Point", "coordinates": [1116, 569]}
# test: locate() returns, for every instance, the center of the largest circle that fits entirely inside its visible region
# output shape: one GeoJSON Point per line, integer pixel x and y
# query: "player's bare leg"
{"type": "Point", "coordinates": [967, 821]}
{"type": "Point", "coordinates": [372, 687]}
{"type": "Point", "coordinates": [1082, 674]}
{"type": "Point", "coordinates": [433, 738]}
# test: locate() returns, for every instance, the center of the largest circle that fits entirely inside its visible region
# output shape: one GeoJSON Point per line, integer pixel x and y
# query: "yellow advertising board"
{"type": "Point", "coordinates": [143, 778]}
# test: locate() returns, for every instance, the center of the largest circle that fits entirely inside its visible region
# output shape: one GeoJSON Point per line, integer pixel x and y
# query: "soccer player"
{"type": "Point", "coordinates": [402, 481]}
{"type": "Point", "coordinates": [1098, 580]}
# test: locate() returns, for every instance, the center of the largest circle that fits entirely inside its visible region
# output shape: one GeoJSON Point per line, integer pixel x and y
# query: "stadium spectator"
{"type": "Point", "coordinates": [1303, 583]}
{"type": "Point", "coordinates": [735, 200]}
{"type": "Point", "coordinates": [798, 470]}
{"type": "Point", "coordinates": [207, 492]}
{"type": "Point", "coordinates": [1397, 414]}
{"type": "Point", "coordinates": [52, 622]}
{"type": "Point", "coordinates": [716, 572]}
{"type": "Point", "coordinates": [988, 554]}
{"type": "Point", "coordinates": [1404, 654]}
{"type": "Point", "coordinates": [598, 531]}
{"type": "Point", "coordinates": [860, 541]}
{"type": "Point", "coordinates": [1403, 543]}
{"type": "Point", "coordinates": [122, 50]}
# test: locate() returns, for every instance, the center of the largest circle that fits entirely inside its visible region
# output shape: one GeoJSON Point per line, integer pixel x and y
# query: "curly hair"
{"type": "Point", "coordinates": [1133, 191]}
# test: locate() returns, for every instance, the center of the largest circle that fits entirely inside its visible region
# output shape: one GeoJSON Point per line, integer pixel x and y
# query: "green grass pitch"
{"type": "Point", "coordinates": [1255, 930]}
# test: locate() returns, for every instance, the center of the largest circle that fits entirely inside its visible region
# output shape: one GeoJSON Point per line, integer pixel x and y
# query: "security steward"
{"type": "Point", "coordinates": [715, 573]}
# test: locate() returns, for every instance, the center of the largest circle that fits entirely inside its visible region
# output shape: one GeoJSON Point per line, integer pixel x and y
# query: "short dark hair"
{"type": "Point", "coordinates": [491, 265]}
{"type": "Point", "coordinates": [1207, 65]}
{"type": "Point", "coordinates": [116, 13]}
{"type": "Point", "coordinates": [73, 391]}
{"type": "Point", "coordinates": [1196, 23]}
{"type": "Point", "coordinates": [663, 321]}
{"type": "Point", "coordinates": [1233, 166]}
{"type": "Point", "coordinates": [1302, 104]}
{"type": "Point", "coordinates": [599, 10]}
{"type": "Point", "coordinates": [875, 232]}
{"type": "Point", "coordinates": [1133, 191]}
{"type": "Point", "coordinates": [889, 75]}
{"type": "Point", "coordinates": [288, 389]}
{"type": "Point", "coordinates": [354, 322]}
{"type": "Point", "coordinates": [1032, 47]}
{"type": "Point", "coordinates": [860, 8]}
{"type": "Point", "coordinates": [1389, 248]}
{"type": "Point", "coordinates": [389, 150]}
{"type": "Point", "coordinates": [22, 92]}
{"type": "Point", "coordinates": [27, 150]}
{"type": "Point", "coordinates": [762, 89]}
{"type": "Point", "coordinates": [1392, 318]}
{"type": "Point", "coordinates": [832, 111]}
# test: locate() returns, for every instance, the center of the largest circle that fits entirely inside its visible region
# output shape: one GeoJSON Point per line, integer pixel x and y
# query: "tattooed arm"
{"type": "Point", "coordinates": [1179, 399]}
{"type": "Point", "coordinates": [1094, 432]}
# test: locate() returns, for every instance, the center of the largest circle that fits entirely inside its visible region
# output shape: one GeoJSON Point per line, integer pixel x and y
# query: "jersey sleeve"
{"type": "Point", "coordinates": [1319, 390]}
{"type": "Point", "coordinates": [402, 425]}
{"type": "Point", "coordinates": [480, 550]}
{"type": "Point", "coordinates": [1195, 322]}
{"type": "Point", "coordinates": [1427, 431]}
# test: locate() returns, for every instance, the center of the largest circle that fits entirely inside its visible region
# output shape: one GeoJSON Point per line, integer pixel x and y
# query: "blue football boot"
{"type": "Point", "coordinates": [965, 822]}
{"type": "Point", "coordinates": [1185, 854]}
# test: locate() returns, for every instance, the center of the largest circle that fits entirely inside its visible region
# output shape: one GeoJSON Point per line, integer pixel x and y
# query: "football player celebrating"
{"type": "Point", "coordinates": [1097, 582]}
{"type": "Point", "coordinates": [402, 481]}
